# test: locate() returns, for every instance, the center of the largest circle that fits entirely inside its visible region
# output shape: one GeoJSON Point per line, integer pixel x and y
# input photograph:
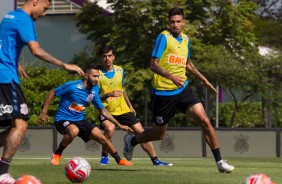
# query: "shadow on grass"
{"type": "Point", "coordinates": [113, 169]}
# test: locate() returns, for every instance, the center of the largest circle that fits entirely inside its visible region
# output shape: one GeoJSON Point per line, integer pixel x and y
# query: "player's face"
{"type": "Point", "coordinates": [39, 8]}
{"type": "Point", "coordinates": [176, 24]}
{"type": "Point", "coordinates": [108, 59]}
{"type": "Point", "coordinates": [92, 77]}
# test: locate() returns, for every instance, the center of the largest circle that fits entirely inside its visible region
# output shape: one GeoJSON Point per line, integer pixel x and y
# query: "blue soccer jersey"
{"type": "Point", "coordinates": [16, 30]}
{"type": "Point", "coordinates": [73, 100]}
{"type": "Point", "coordinates": [158, 50]}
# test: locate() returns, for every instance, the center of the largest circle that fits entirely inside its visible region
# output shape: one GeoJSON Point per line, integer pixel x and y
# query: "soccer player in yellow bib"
{"type": "Point", "coordinates": [171, 90]}
{"type": "Point", "coordinates": [116, 101]}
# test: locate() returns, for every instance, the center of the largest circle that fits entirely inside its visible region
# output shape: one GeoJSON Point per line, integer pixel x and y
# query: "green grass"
{"type": "Point", "coordinates": [184, 170]}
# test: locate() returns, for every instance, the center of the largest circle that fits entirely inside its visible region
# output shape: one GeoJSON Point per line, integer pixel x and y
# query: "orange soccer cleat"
{"type": "Point", "coordinates": [125, 162]}
{"type": "Point", "coordinates": [55, 159]}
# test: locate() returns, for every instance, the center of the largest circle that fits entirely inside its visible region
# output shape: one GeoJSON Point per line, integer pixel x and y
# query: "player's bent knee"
{"type": "Point", "coordinates": [101, 139]}
{"type": "Point", "coordinates": [73, 132]}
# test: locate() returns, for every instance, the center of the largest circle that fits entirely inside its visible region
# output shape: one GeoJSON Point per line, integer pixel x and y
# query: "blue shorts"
{"type": "Point", "coordinates": [12, 104]}
{"type": "Point", "coordinates": [164, 107]}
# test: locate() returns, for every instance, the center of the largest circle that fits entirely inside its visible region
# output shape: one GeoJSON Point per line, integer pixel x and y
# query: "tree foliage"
{"type": "Point", "coordinates": [224, 44]}
{"type": "Point", "coordinates": [268, 33]}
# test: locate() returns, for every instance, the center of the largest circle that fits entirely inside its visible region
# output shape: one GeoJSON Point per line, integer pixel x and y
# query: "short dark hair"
{"type": "Point", "coordinates": [105, 49]}
{"type": "Point", "coordinates": [175, 11]}
{"type": "Point", "coordinates": [91, 66]}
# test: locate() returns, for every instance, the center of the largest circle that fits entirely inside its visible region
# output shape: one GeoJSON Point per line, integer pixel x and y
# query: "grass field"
{"type": "Point", "coordinates": [184, 170]}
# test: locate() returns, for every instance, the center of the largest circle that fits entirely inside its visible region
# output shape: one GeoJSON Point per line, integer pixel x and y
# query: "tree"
{"type": "Point", "coordinates": [268, 33]}
{"type": "Point", "coordinates": [224, 45]}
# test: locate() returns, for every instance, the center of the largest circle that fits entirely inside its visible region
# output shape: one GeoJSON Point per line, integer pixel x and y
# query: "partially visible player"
{"type": "Point", "coordinates": [17, 30]}
{"type": "Point", "coordinates": [171, 90]}
{"type": "Point", "coordinates": [70, 118]}
{"type": "Point", "coordinates": [116, 101]}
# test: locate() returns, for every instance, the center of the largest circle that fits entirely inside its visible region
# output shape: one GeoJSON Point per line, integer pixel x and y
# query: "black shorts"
{"type": "Point", "coordinates": [85, 127]}
{"type": "Point", "coordinates": [12, 104]}
{"type": "Point", "coordinates": [164, 107]}
{"type": "Point", "coordinates": [128, 119]}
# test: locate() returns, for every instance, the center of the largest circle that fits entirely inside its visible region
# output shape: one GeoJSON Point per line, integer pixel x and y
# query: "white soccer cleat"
{"type": "Point", "coordinates": [224, 167]}
{"type": "Point", "coordinates": [6, 179]}
{"type": "Point", "coordinates": [128, 148]}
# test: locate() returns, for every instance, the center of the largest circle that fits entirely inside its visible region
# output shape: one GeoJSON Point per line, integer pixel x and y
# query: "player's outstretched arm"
{"type": "Point", "coordinates": [37, 51]}
{"type": "Point", "coordinates": [108, 116]}
{"type": "Point", "coordinates": [128, 101]}
{"type": "Point", "coordinates": [43, 117]}
{"type": "Point", "coordinates": [193, 70]}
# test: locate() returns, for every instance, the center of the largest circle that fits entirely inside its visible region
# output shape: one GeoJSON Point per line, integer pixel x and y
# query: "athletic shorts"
{"type": "Point", "coordinates": [85, 127]}
{"type": "Point", "coordinates": [12, 104]}
{"type": "Point", "coordinates": [128, 119]}
{"type": "Point", "coordinates": [164, 107]}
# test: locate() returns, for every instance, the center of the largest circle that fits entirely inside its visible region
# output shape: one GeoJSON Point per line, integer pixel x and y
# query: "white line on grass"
{"type": "Point", "coordinates": [91, 158]}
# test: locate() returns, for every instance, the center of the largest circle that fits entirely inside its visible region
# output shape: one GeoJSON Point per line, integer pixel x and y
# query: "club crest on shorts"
{"type": "Point", "coordinates": [159, 120]}
{"type": "Point", "coordinates": [66, 123]}
{"type": "Point", "coordinates": [24, 109]}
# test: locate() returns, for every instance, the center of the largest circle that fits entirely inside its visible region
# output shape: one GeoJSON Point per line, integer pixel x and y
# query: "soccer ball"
{"type": "Point", "coordinates": [27, 179]}
{"type": "Point", "coordinates": [77, 170]}
{"type": "Point", "coordinates": [258, 179]}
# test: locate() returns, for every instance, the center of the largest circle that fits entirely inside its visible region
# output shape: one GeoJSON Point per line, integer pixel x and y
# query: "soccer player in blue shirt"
{"type": "Point", "coordinates": [171, 90]}
{"type": "Point", "coordinates": [70, 118]}
{"type": "Point", "coordinates": [17, 29]}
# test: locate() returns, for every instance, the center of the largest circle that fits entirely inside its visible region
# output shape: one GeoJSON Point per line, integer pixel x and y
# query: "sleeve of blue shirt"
{"type": "Point", "coordinates": [160, 46]}
{"type": "Point", "coordinates": [189, 49]}
{"type": "Point", "coordinates": [63, 89]}
{"type": "Point", "coordinates": [96, 99]}
{"type": "Point", "coordinates": [123, 77]}
{"type": "Point", "coordinates": [27, 30]}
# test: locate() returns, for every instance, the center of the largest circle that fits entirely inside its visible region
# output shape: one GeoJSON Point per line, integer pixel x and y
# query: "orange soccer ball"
{"type": "Point", "coordinates": [27, 179]}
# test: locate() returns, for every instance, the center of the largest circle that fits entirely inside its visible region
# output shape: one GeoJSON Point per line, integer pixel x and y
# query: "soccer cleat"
{"type": "Point", "coordinates": [224, 167]}
{"type": "Point", "coordinates": [7, 179]}
{"type": "Point", "coordinates": [55, 160]}
{"type": "Point", "coordinates": [104, 161]}
{"type": "Point", "coordinates": [160, 163]}
{"type": "Point", "coordinates": [125, 162]}
{"type": "Point", "coordinates": [128, 148]}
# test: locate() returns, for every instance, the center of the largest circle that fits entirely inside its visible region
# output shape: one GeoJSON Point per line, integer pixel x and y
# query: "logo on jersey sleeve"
{"type": "Point", "coordinates": [177, 60]}
{"type": "Point", "coordinates": [79, 86]}
{"type": "Point", "coordinates": [90, 97]}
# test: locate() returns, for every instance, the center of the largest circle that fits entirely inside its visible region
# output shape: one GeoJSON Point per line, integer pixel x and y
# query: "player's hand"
{"type": "Point", "coordinates": [211, 87]}
{"type": "Point", "coordinates": [22, 73]}
{"type": "Point", "coordinates": [43, 117]}
{"type": "Point", "coordinates": [72, 67]}
{"type": "Point", "coordinates": [126, 128]}
{"type": "Point", "coordinates": [115, 93]}
{"type": "Point", "coordinates": [177, 80]}
{"type": "Point", "coordinates": [132, 110]}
